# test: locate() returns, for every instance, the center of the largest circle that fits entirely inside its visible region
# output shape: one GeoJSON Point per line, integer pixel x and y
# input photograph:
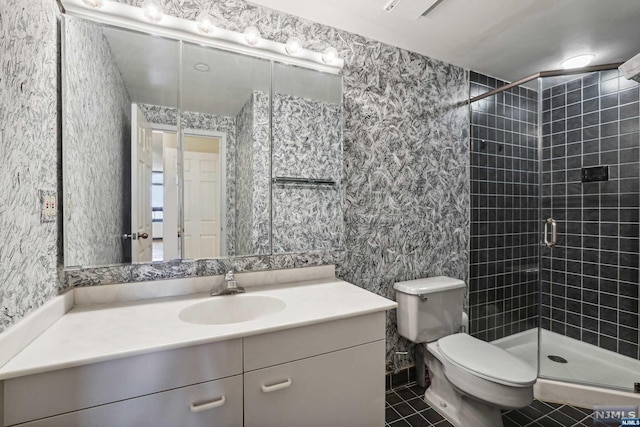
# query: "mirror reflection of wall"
{"type": "Point", "coordinates": [307, 145]}
{"type": "Point", "coordinates": [228, 95]}
{"type": "Point", "coordinates": [164, 195]}
{"type": "Point", "coordinates": [166, 160]}
{"type": "Point", "coordinates": [107, 154]}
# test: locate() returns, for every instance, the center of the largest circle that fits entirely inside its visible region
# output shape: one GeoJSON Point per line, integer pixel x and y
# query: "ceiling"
{"type": "Point", "coordinates": [507, 39]}
{"type": "Point", "coordinates": [150, 69]}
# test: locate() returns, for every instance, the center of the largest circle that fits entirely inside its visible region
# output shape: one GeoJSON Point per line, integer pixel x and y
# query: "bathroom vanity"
{"type": "Point", "coordinates": [318, 361]}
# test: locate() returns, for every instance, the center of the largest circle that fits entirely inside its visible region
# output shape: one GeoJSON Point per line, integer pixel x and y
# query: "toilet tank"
{"type": "Point", "coordinates": [429, 309]}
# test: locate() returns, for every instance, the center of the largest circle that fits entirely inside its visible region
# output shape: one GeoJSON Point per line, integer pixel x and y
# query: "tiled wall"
{"type": "Point", "coordinates": [590, 280]}
{"type": "Point", "coordinates": [504, 210]}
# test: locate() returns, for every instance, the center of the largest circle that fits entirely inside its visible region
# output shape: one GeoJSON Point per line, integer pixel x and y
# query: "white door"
{"type": "Point", "coordinates": [141, 167]}
{"type": "Point", "coordinates": [202, 196]}
{"type": "Point", "coordinates": [170, 212]}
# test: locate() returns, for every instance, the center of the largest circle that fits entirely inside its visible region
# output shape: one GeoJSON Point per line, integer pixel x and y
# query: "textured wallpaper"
{"type": "Point", "coordinates": [261, 168]}
{"type": "Point", "coordinates": [28, 154]}
{"type": "Point", "coordinates": [405, 163]}
{"type": "Point", "coordinates": [97, 154]}
{"type": "Point", "coordinates": [307, 143]}
{"type": "Point", "coordinates": [244, 178]}
{"type": "Point", "coordinates": [252, 174]}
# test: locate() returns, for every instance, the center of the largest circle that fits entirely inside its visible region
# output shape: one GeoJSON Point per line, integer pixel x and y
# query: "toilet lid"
{"type": "Point", "coordinates": [486, 360]}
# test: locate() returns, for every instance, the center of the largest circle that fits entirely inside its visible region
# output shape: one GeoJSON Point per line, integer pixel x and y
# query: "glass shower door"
{"type": "Point", "coordinates": [503, 288]}
{"type": "Point", "coordinates": [589, 193]}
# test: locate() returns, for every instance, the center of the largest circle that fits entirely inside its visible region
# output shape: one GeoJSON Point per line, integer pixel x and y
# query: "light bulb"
{"type": "Point", "coordinates": [329, 55]}
{"type": "Point", "coordinates": [152, 11]}
{"type": "Point", "coordinates": [293, 46]}
{"type": "Point", "coordinates": [252, 35]}
{"type": "Point", "coordinates": [205, 23]}
{"type": "Point", "coordinates": [94, 3]}
{"type": "Point", "coordinates": [577, 61]}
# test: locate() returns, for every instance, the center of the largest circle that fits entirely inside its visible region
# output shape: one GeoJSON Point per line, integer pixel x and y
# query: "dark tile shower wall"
{"type": "Point", "coordinates": [590, 280]}
{"type": "Point", "coordinates": [503, 287]}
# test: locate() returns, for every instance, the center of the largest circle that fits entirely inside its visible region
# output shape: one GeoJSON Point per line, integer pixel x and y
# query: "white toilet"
{"type": "Point", "coordinates": [471, 380]}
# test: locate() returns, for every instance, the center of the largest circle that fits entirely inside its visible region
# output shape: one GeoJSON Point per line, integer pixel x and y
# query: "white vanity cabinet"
{"type": "Point", "coordinates": [341, 388]}
{"type": "Point", "coordinates": [329, 373]}
{"type": "Point", "coordinates": [214, 403]}
{"type": "Point", "coordinates": [192, 386]}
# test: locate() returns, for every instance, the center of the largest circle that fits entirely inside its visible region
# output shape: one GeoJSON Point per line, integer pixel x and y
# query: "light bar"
{"type": "Point", "coordinates": [125, 16]}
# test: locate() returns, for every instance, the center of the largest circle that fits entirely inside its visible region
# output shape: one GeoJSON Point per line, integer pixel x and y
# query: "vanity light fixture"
{"type": "Point", "coordinates": [577, 61]}
{"type": "Point", "coordinates": [152, 11]}
{"type": "Point", "coordinates": [329, 55]}
{"type": "Point", "coordinates": [205, 23]}
{"type": "Point", "coordinates": [94, 3]}
{"type": "Point", "coordinates": [293, 46]}
{"type": "Point", "coordinates": [202, 31]}
{"type": "Point", "coordinates": [252, 35]}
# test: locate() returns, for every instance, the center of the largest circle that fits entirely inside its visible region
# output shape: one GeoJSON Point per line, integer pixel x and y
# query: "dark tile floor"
{"type": "Point", "coordinates": [406, 408]}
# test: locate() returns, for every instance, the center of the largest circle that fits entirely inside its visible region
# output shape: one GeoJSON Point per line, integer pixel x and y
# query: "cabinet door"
{"type": "Point", "coordinates": [57, 392]}
{"type": "Point", "coordinates": [215, 403]}
{"type": "Point", "coordinates": [342, 388]}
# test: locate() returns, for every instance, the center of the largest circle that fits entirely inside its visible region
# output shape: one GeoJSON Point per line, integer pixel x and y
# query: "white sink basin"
{"type": "Point", "coordinates": [231, 309]}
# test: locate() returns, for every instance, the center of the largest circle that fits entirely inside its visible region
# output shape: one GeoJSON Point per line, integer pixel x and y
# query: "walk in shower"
{"type": "Point", "coordinates": [555, 226]}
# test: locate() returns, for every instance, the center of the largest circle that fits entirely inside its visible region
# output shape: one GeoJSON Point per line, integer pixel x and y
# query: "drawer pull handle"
{"type": "Point", "coordinates": [276, 387]}
{"type": "Point", "coordinates": [206, 406]}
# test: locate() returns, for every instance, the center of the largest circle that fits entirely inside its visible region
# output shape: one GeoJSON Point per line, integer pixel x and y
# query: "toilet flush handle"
{"type": "Point", "coordinates": [423, 297]}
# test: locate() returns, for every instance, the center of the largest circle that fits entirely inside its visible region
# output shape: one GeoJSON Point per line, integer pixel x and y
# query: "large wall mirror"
{"type": "Point", "coordinates": [173, 150]}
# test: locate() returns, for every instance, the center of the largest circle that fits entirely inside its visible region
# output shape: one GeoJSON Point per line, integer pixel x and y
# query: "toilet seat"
{"type": "Point", "coordinates": [486, 360]}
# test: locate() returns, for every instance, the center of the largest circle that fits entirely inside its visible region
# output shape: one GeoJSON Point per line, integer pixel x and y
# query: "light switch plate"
{"type": "Point", "coordinates": [48, 205]}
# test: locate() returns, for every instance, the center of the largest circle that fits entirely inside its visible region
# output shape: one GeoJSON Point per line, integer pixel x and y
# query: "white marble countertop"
{"type": "Point", "coordinates": [96, 333]}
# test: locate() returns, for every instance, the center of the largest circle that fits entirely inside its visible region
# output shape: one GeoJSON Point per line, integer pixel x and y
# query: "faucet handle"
{"type": "Point", "coordinates": [229, 276]}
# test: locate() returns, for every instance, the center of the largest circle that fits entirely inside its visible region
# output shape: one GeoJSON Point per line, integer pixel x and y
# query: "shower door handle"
{"type": "Point", "coordinates": [554, 232]}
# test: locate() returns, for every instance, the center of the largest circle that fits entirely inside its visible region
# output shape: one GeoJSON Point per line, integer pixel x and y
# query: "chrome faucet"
{"type": "Point", "coordinates": [230, 287]}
